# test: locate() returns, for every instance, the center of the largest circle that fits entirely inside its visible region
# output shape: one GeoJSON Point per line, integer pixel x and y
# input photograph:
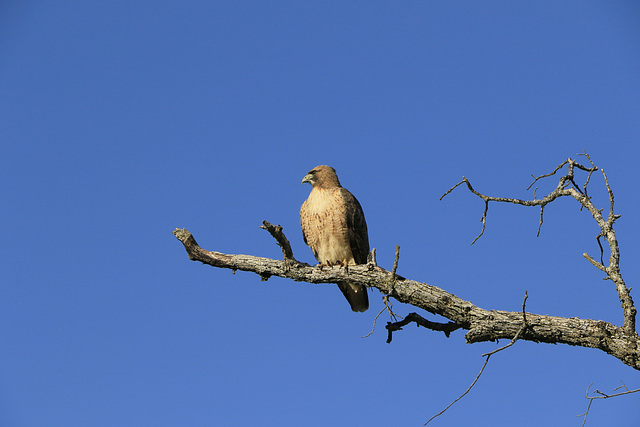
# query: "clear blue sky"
{"type": "Point", "coordinates": [121, 121]}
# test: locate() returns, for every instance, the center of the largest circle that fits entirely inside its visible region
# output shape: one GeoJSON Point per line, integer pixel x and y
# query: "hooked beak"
{"type": "Point", "coordinates": [308, 178]}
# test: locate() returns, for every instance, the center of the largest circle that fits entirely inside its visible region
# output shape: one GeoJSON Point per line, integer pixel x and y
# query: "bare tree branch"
{"type": "Point", "coordinates": [375, 319]}
{"type": "Point", "coordinates": [568, 187]}
{"type": "Point", "coordinates": [283, 242]}
{"type": "Point", "coordinates": [484, 365]}
{"type": "Point", "coordinates": [488, 356]}
{"type": "Point", "coordinates": [621, 342]}
{"type": "Point", "coordinates": [602, 395]}
{"type": "Point", "coordinates": [447, 328]}
{"type": "Point", "coordinates": [482, 325]}
{"type": "Point", "coordinates": [388, 306]}
{"type": "Point", "coordinates": [395, 261]}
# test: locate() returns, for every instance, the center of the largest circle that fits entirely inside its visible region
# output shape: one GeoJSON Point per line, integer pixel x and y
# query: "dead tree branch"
{"type": "Point", "coordinates": [447, 328]}
{"type": "Point", "coordinates": [283, 242]}
{"type": "Point", "coordinates": [484, 365]}
{"type": "Point", "coordinates": [601, 395]}
{"type": "Point", "coordinates": [482, 325]}
{"type": "Point", "coordinates": [488, 356]}
{"type": "Point", "coordinates": [388, 306]}
{"type": "Point", "coordinates": [568, 187]}
{"type": "Point", "coordinates": [621, 342]}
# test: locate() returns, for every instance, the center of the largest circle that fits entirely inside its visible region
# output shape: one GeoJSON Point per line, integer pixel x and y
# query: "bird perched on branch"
{"type": "Point", "coordinates": [333, 226]}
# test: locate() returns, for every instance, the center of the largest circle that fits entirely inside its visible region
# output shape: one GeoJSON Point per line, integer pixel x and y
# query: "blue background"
{"type": "Point", "coordinates": [124, 120]}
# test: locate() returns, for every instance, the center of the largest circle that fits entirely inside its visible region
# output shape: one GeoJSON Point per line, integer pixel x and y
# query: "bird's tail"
{"type": "Point", "coordinates": [356, 295]}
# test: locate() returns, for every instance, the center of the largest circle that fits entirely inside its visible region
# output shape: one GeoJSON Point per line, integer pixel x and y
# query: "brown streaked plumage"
{"type": "Point", "coordinates": [333, 226]}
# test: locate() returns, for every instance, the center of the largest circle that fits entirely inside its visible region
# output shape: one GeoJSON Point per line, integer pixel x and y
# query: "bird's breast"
{"type": "Point", "coordinates": [325, 228]}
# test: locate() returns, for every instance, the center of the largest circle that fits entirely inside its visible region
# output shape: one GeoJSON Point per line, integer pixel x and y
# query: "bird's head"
{"type": "Point", "coordinates": [322, 176]}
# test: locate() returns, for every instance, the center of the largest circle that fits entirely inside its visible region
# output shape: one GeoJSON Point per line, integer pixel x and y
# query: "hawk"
{"type": "Point", "coordinates": [333, 226]}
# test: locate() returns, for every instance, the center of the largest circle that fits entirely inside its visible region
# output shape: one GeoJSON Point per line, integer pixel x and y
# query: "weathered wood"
{"type": "Point", "coordinates": [621, 342]}
{"type": "Point", "coordinates": [481, 324]}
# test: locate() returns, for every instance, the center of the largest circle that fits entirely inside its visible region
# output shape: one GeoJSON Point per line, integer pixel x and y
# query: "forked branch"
{"type": "Point", "coordinates": [601, 395]}
{"type": "Point", "coordinates": [567, 186]}
{"type": "Point", "coordinates": [482, 325]}
{"type": "Point", "coordinates": [621, 342]}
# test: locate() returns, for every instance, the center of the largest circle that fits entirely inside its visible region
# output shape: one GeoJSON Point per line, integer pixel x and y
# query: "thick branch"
{"type": "Point", "coordinates": [482, 325]}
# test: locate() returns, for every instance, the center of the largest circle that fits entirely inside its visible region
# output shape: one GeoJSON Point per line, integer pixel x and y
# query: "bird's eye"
{"type": "Point", "coordinates": [313, 172]}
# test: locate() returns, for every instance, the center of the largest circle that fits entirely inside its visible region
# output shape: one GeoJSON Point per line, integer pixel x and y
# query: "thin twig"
{"type": "Point", "coordinates": [602, 395]}
{"type": "Point", "coordinates": [484, 221]}
{"type": "Point", "coordinates": [610, 192]}
{"type": "Point", "coordinates": [584, 421]}
{"type": "Point", "coordinates": [488, 356]}
{"type": "Point", "coordinates": [541, 219]}
{"type": "Point", "coordinates": [395, 262]}
{"type": "Point", "coordinates": [387, 306]}
{"type": "Point", "coordinates": [601, 249]}
{"type": "Point", "coordinates": [586, 182]}
{"type": "Point", "coordinates": [374, 322]}
{"type": "Point", "coordinates": [463, 394]}
{"type": "Point", "coordinates": [536, 178]}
